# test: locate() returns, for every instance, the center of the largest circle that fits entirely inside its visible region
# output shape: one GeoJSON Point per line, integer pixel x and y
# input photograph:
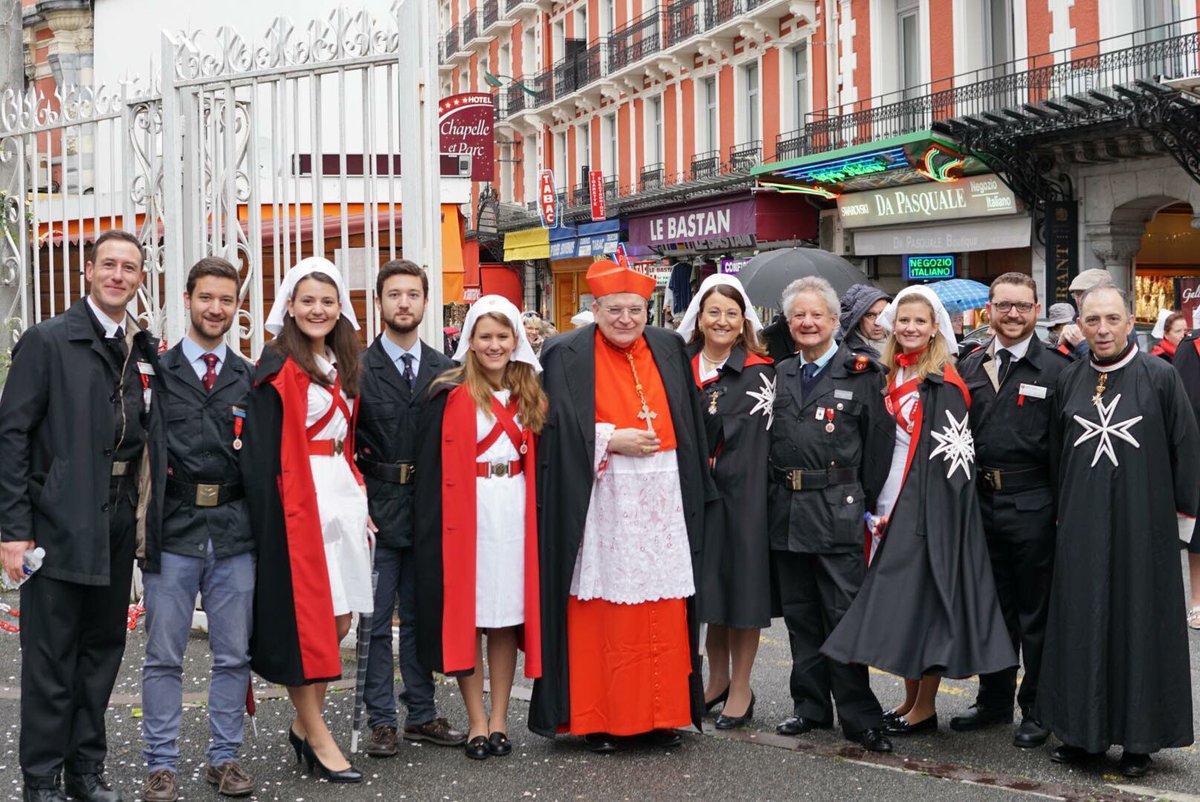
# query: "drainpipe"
{"type": "Point", "coordinates": [834, 61]}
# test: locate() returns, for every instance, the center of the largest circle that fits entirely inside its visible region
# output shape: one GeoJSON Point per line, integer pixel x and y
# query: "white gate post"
{"type": "Point", "coordinates": [420, 160]}
{"type": "Point", "coordinates": [175, 227]}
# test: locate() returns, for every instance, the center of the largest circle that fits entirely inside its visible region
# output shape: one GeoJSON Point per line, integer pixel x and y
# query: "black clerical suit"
{"type": "Point", "coordinates": [1010, 421]}
{"type": "Point", "coordinates": [831, 446]}
{"type": "Point", "coordinates": [82, 459]}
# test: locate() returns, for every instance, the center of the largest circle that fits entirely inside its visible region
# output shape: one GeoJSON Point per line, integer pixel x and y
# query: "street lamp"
{"type": "Point", "coordinates": [494, 81]}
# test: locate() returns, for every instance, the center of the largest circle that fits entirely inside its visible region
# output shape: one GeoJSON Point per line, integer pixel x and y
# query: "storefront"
{"type": "Point", "coordinates": [1167, 266]}
{"type": "Point", "coordinates": [693, 241]}
{"type": "Point", "coordinates": [572, 251]}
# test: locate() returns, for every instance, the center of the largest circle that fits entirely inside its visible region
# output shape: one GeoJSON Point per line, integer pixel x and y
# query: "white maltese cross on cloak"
{"type": "Point", "coordinates": [955, 445]}
{"type": "Point", "coordinates": [1106, 430]}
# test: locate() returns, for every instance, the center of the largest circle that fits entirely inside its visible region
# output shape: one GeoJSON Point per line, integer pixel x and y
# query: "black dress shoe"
{"type": "Point", "coordinates": [725, 722]}
{"type": "Point", "coordinates": [891, 715]}
{"type": "Point", "coordinates": [1134, 765]}
{"type": "Point", "coordinates": [1067, 754]}
{"type": "Point", "coordinates": [661, 739]}
{"type": "Point", "coordinates": [978, 717]}
{"type": "Point", "coordinates": [499, 745]}
{"type": "Point", "coordinates": [296, 741]}
{"type": "Point", "coordinates": [89, 788]}
{"type": "Point", "coordinates": [902, 726]}
{"type": "Point", "coordinates": [716, 700]}
{"type": "Point", "coordinates": [873, 740]}
{"type": "Point", "coordinates": [1030, 734]}
{"type": "Point", "coordinates": [601, 742]}
{"type": "Point", "coordinates": [43, 795]}
{"type": "Point", "coordinates": [798, 725]}
{"type": "Point", "coordinates": [478, 748]}
{"type": "Point", "coordinates": [317, 769]}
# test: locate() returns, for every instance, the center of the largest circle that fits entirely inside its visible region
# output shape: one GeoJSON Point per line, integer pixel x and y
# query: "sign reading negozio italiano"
{"type": "Point", "coordinates": [974, 196]}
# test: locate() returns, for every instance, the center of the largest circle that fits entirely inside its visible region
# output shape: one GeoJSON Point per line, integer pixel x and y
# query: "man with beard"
{"type": "Point", "coordinates": [1011, 382]}
{"type": "Point", "coordinates": [397, 370]}
{"type": "Point", "coordinates": [82, 462]}
{"type": "Point", "coordinates": [205, 545]}
{"type": "Point", "coordinates": [861, 306]}
{"type": "Point", "coordinates": [623, 478]}
{"type": "Point", "coordinates": [1125, 454]}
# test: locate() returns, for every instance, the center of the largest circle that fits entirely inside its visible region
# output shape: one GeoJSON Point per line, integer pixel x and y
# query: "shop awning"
{"type": "Point", "coordinates": [531, 243]}
{"type": "Point", "coordinates": [452, 254]}
{"type": "Point", "coordinates": [589, 240]}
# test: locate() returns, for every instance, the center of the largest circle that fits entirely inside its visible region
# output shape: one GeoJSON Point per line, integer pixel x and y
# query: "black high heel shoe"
{"type": "Point", "coordinates": [723, 696]}
{"type": "Point", "coordinates": [318, 770]}
{"type": "Point", "coordinates": [296, 741]}
{"type": "Point", "coordinates": [725, 722]}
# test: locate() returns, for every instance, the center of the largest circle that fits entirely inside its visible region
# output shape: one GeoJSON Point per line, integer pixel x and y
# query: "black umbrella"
{"type": "Point", "coordinates": [766, 275]}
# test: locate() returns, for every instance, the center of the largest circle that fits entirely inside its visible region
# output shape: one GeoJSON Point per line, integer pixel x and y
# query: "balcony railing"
{"type": "Point", "coordinates": [718, 12]}
{"type": "Point", "coordinates": [499, 106]}
{"type": "Point", "coordinates": [580, 195]}
{"type": "Point", "coordinates": [684, 19]}
{"type": "Point", "coordinates": [651, 177]}
{"type": "Point", "coordinates": [1151, 54]}
{"type": "Point", "coordinates": [634, 41]}
{"type": "Point", "coordinates": [611, 189]}
{"type": "Point", "coordinates": [746, 155]}
{"type": "Point", "coordinates": [575, 72]}
{"type": "Point", "coordinates": [450, 46]}
{"type": "Point", "coordinates": [514, 99]}
{"type": "Point", "coordinates": [706, 165]}
{"type": "Point", "coordinates": [470, 27]}
{"type": "Point", "coordinates": [491, 13]}
{"type": "Point", "coordinates": [544, 86]}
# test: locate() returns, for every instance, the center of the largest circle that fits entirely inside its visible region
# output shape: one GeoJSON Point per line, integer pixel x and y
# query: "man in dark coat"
{"type": "Point", "coordinates": [1187, 362]}
{"type": "Point", "coordinates": [1011, 380]}
{"type": "Point", "coordinates": [861, 306]}
{"type": "Point", "coordinates": [1125, 456]}
{"type": "Point", "coordinates": [831, 445]}
{"type": "Point", "coordinates": [610, 411]}
{"type": "Point", "coordinates": [396, 371]}
{"type": "Point", "coordinates": [82, 464]}
{"type": "Point", "coordinates": [205, 546]}
{"type": "Point", "coordinates": [778, 339]}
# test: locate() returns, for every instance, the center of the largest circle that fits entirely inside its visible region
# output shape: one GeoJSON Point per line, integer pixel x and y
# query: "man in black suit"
{"type": "Point", "coordinates": [205, 545]}
{"type": "Point", "coordinates": [397, 370]}
{"type": "Point", "coordinates": [82, 464]}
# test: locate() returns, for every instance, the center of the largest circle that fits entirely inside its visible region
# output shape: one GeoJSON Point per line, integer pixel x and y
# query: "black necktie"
{"type": "Point", "coordinates": [808, 377]}
{"type": "Point", "coordinates": [1005, 364]}
{"type": "Point", "coordinates": [118, 342]}
{"type": "Point", "coordinates": [408, 374]}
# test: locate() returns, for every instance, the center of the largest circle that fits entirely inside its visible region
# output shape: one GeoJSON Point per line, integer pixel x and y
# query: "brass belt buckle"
{"type": "Point", "coordinates": [993, 479]}
{"type": "Point", "coordinates": [338, 447]}
{"type": "Point", "coordinates": [796, 479]}
{"type": "Point", "coordinates": [406, 473]}
{"type": "Point", "coordinates": [207, 495]}
{"type": "Point", "coordinates": [120, 468]}
{"type": "Point", "coordinates": [500, 469]}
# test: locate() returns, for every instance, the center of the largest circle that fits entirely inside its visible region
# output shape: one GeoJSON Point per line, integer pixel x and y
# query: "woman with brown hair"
{"type": "Point", "coordinates": [737, 382]}
{"type": "Point", "coordinates": [1175, 328]}
{"type": "Point", "coordinates": [475, 541]}
{"type": "Point", "coordinates": [307, 503]}
{"type": "Point", "coordinates": [928, 605]}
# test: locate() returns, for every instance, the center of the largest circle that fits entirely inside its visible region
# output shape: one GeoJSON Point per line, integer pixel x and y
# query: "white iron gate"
{"type": "Point", "coordinates": [263, 153]}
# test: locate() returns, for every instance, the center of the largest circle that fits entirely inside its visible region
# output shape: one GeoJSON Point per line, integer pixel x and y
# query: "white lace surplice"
{"type": "Point", "coordinates": [635, 547]}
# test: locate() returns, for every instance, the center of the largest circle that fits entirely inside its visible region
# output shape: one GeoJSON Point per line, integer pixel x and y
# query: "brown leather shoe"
{"type": "Point", "coordinates": [231, 779]}
{"type": "Point", "coordinates": [382, 742]}
{"type": "Point", "coordinates": [160, 787]}
{"type": "Point", "coordinates": [437, 731]}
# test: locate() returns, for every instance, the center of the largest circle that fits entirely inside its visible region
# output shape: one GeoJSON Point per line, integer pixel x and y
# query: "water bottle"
{"type": "Point", "coordinates": [32, 562]}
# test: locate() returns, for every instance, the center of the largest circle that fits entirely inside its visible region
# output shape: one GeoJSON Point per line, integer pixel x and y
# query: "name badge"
{"type": "Point", "coordinates": [145, 368]}
{"type": "Point", "coordinates": [1032, 390]}
{"type": "Point", "coordinates": [845, 395]}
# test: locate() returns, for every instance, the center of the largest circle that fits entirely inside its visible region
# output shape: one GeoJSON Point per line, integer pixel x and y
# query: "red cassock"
{"type": "Point", "coordinates": [459, 443]}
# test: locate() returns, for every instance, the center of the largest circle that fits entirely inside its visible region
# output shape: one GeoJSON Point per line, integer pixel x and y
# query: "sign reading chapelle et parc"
{"type": "Point", "coordinates": [974, 196]}
{"type": "Point", "coordinates": [465, 124]}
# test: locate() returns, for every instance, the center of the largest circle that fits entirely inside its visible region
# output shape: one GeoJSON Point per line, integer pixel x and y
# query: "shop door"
{"type": "Point", "coordinates": [566, 298]}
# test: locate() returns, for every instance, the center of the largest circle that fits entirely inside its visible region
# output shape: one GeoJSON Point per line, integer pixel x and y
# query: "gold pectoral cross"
{"type": "Point", "coordinates": [648, 415]}
{"type": "Point", "coordinates": [1100, 387]}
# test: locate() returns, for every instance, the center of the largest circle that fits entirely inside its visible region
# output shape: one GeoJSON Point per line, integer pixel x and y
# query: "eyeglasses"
{"type": "Point", "coordinates": [716, 314]}
{"type": "Point", "coordinates": [1004, 307]}
{"type": "Point", "coordinates": [617, 312]}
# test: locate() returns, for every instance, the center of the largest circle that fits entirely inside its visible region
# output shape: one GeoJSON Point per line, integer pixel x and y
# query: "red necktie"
{"type": "Point", "coordinates": [210, 375]}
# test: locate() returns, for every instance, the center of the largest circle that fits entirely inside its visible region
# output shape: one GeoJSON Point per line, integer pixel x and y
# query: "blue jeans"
{"type": "Point", "coordinates": [396, 581]}
{"type": "Point", "coordinates": [226, 587]}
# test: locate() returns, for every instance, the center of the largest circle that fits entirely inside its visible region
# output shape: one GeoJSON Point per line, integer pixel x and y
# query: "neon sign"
{"type": "Point", "coordinates": [836, 171]}
{"type": "Point", "coordinates": [796, 189]}
{"type": "Point", "coordinates": [940, 172]}
{"type": "Point", "coordinates": [920, 268]}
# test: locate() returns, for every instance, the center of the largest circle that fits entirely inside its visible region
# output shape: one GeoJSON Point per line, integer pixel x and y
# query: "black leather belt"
{"type": "Point", "coordinates": [204, 494]}
{"type": "Point", "coordinates": [1008, 480]}
{"type": "Point", "coordinates": [800, 479]}
{"type": "Point", "coordinates": [398, 473]}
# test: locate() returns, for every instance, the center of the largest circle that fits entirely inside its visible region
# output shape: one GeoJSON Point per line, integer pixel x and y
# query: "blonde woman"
{"type": "Point", "coordinates": [928, 605]}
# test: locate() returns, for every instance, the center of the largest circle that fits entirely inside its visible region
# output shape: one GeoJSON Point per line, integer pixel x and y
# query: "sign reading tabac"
{"type": "Point", "coordinates": [547, 199]}
{"type": "Point", "coordinates": [974, 196]}
{"type": "Point", "coordinates": [465, 126]}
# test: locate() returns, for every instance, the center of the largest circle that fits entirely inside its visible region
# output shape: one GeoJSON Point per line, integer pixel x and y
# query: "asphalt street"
{"type": "Point", "coordinates": [754, 764]}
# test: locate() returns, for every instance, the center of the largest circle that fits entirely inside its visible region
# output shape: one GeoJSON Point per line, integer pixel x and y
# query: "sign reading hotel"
{"type": "Point", "coordinates": [547, 199]}
{"type": "Point", "coordinates": [465, 126]}
{"type": "Point", "coordinates": [974, 196]}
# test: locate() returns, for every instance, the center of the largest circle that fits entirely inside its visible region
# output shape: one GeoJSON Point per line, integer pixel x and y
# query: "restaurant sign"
{"type": "Point", "coordinates": [974, 196]}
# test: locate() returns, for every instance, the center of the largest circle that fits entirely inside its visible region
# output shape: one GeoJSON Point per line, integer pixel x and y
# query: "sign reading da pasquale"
{"type": "Point", "coordinates": [974, 196]}
{"type": "Point", "coordinates": [465, 126]}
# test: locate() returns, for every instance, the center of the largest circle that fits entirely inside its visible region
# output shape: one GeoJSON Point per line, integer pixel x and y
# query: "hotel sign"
{"type": "Point", "coordinates": [974, 196]}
